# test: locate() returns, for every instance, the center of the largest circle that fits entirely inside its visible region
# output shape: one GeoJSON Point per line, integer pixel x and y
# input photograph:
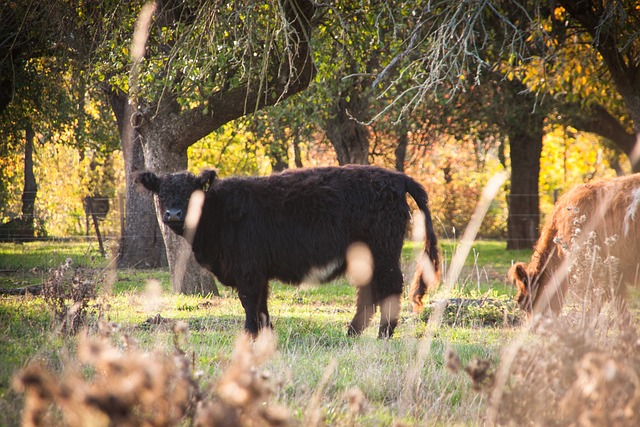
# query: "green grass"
{"type": "Point", "coordinates": [49, 254]}
{"type": "Point", "coordinates": [310, 324]}
{"type": "Point", "coordinates": [28, 264]}
{"type": "Point", "coordinates": [484, 269]}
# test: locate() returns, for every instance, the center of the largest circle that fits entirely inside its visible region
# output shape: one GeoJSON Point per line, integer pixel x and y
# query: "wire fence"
{"type": "Point", "coordinates": [89, 218]}
{"type": "Point", "coordinates": [103, 218]}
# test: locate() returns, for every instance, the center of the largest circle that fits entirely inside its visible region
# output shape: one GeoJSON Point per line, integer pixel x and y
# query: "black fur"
{"type": "Point", "coordinates": [285, 225]}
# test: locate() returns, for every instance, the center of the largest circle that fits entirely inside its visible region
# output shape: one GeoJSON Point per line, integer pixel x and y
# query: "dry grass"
{"type": "Point", "coordinates": [583, 367]}
{"type": "Point", "coordinates": [69, 292]}
{"type": "Point", "coordinates": [573, 374]}
{"type": "Point", "coordinates": [567, 374]}
{"type": "Point", "coordinates": [578, 369]}
{"type": "Point", "coordinates": [126, 386]}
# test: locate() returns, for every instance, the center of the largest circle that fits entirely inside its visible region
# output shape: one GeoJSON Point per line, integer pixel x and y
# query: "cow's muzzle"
{"type": "Point", "coordinates": [173, 216]}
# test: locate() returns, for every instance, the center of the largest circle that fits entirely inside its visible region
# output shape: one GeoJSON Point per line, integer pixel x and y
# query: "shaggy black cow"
{"type": "Point", "coordinates": [297, 225]}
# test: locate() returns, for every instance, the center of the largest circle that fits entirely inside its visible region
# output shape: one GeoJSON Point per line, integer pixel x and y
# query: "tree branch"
{"type": "Point", "coordinates": [599, 121]}
{"type": "Point", "coordinates": [286, 79]}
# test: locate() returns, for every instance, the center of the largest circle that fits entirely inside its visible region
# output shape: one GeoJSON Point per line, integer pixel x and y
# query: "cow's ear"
{"type": "Point", "coordinates": [149, 180]}
{"type": "Point", "coordinates": [206, 178]}
{"type": "Point", "coordinates": [519, 276]}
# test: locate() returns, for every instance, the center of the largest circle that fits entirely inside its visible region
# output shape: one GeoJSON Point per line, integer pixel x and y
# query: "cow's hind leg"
{"type": "Point", "coordinates": [254, 302]}
{"type": "Point", "coordinates": [388, 288]}
{"type": "Point", "coordinates": [389, 314]}
{"type": "Point", "coordinates": [365, 308]}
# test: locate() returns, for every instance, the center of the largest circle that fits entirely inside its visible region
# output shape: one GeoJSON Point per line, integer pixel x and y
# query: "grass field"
{"type": "Point", "coordinates": [310, 370]}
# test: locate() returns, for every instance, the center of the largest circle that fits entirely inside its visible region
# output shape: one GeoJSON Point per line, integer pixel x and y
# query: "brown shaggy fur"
{"type": "Point", "coordinates": [611, 209]}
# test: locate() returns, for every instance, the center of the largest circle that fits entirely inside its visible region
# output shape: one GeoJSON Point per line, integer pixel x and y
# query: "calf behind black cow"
{"type": "Point", "coordinates": [298, 223]}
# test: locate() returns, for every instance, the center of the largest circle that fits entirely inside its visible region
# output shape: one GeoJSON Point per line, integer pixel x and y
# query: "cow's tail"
{"type": "Point", "coordinates": [427, 274]}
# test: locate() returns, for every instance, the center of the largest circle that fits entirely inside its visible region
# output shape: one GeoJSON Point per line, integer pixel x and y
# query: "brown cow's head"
{"type": "Point", "coordinates": [174, 191]}
{"type": "Point", "coordinates": [520, 277]}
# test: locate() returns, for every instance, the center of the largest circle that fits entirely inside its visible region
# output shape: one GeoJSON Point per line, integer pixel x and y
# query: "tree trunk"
{"type": "Point", "coordinates": [523, 200]}
{"type": "Point", "coordinates": [187, 276]}
{"type": "Point", "coordinates": [30, 187]}
{"type": "Point", "coordinates": [297, 155]}
{"type": "Point", "coordinates": [278, 153]}
{"type": "Point", "coordinates": [349, 138]}
{"type": "Point", "coordinates": [141, 245]}
{"type": "Point", "coordinates": [520, 117]}
{"type": "Point", "coordinates": [401, 150]}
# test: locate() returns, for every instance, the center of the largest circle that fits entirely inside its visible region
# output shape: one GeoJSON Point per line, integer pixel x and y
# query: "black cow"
{"type": "Point", "coordinates": [300, 223]}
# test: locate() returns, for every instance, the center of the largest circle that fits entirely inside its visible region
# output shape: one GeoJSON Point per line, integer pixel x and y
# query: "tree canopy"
{"type": "Point", "coordinates": [382, 82]}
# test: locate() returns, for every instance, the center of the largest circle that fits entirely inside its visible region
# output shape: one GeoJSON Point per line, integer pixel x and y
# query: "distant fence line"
{"type": "Point", "coordinates": [107, 212]}
{"type": "Point", "coordinates": [112, 224]}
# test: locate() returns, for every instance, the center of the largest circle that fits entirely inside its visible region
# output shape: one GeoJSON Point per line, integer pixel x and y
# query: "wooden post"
{"type": "Point", "coordinates": [95, 225]}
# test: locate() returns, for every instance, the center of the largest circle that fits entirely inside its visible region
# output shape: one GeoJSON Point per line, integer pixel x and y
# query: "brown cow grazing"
{"type": "Point", "coordinates": [604, 213]}
{"type": "Point", "coordinates": [297, 226]}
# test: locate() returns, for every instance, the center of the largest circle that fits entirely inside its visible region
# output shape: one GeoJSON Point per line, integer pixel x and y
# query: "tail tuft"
{"type": "Point", "coordinates": [427, 275]}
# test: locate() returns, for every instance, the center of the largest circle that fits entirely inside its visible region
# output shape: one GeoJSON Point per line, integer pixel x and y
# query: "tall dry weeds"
{"type": "Point", "coordinates": [126, 386]}
{"type": "Point", "coordinates": [593, 275]}
{"type": "Point", "coordinates": [579, 369]}
{"type": "Point", "coordinates": [571, 374]}
{"type": "Point", "coordinates": [574, 374]}
{"type": "Point", "coordinates": [109, 386]}
{"type": "Point", "coordinates": [241, 395]}
{"type": "Point", "coordinates": [582, 368]}
{"type": "Point", "coordinates": [68, 292]}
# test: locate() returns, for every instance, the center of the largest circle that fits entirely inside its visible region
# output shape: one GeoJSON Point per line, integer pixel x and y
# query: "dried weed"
{"type": "Point", "coordinates": [126, 386]}
{"type": "Point", "coordinates": [68, 292]}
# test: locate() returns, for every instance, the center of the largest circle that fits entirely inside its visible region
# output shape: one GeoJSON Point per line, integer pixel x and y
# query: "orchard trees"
{"type": "Point", "coordinates": [385, 70]}
{"type": "Point", "coordinates": [604, 76]}
{"type": "Point", "coordinates": [197, 65]}
{"type": "Point", "coordinates": [35, 98]}
{"type": "Point", "coordinates": [457, 46]}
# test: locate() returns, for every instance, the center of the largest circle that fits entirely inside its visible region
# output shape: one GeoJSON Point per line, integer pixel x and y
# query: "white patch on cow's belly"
{"type": "Point", "coordinates": [319, 274]}
{"type": "Point", "coordinates": [632, 211]}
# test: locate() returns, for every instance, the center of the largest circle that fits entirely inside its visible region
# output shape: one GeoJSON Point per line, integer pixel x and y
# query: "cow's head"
{"type": "Point", "coordinates": [522, 280]}
{"type": "Point", "coordinates": [174, 191]}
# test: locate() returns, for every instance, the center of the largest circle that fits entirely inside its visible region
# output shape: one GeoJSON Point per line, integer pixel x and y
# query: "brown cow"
{"type": "Point", "coordinates": [604, 213]}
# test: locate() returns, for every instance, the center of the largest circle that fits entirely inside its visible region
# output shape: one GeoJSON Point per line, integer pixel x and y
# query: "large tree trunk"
{"type": "Point", "coordinates": [520, 116]}
{"type": "Point", "coordinates": [30, 187]}
{"type": "Point", "coordinates": [186, 274]}
{"type": "Point", "coordinates": [523, 200]}
{"type": "Point", "coordinates": [141, 245]}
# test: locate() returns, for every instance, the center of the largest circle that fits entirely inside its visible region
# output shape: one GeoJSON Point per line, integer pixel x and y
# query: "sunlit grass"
{"type": "Point", "coordinates": [310, 324]}
{"type": "Point", "coordinates": [47, 254]}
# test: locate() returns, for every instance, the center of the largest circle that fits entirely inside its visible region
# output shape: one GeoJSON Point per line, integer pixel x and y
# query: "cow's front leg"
{"type": "Point", "coordinates": [254, 302]}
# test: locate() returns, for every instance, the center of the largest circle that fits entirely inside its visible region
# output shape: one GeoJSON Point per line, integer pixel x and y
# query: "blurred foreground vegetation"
{"type": "Point", "coordinates": [470, 369]}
